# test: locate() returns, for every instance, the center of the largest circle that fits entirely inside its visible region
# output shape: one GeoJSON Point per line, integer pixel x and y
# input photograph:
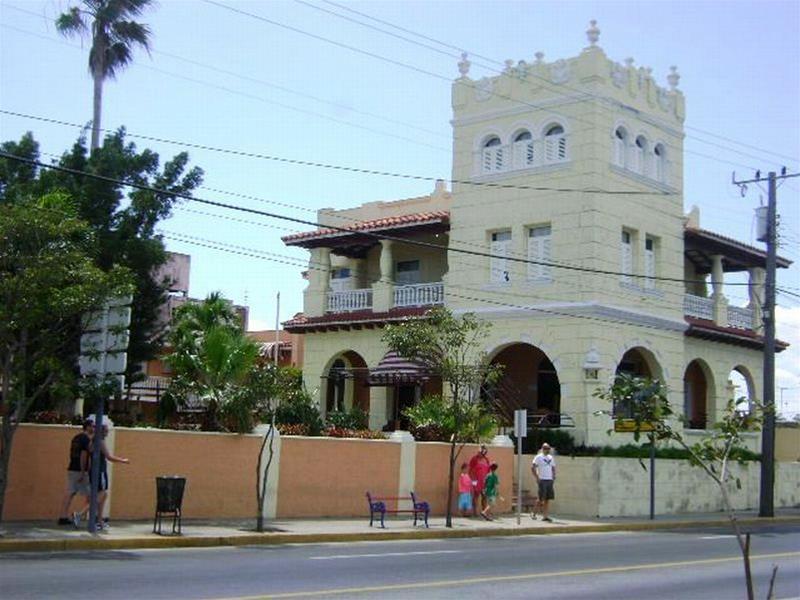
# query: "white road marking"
{"type": "Point", "coordinates": [717, 537]}
{"type": "Point", "coordinates": [379, 555]}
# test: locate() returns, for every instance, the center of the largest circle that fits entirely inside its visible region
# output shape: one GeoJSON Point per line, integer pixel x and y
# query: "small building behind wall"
{"type": "Point", "coordinates": [566, 230]}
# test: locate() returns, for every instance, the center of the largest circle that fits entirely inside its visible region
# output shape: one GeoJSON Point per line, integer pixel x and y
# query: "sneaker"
{"type": "Point", "coordinates": [76, 519]}
{"type": "Point", "coordinates": [64, 521]}
{"type": "Point", "coordinates": [548, 519]}
{"type": "Point", "coordinates": [533, 516]}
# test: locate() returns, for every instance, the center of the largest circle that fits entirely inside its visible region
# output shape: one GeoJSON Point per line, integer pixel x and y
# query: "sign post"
{"type": "Point", "coordinates": [520, 431]}
{"type": "Point", "coordinates": [103, 352]}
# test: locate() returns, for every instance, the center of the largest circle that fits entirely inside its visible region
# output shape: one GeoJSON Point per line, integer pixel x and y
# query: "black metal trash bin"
{"type": "Point", "coordinates": [169, 498]}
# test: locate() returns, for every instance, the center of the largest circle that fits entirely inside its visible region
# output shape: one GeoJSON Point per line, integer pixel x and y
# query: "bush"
{"type": "Point", "coordinates": [355, 418]}
{"type": "Point", "coordinates": [299, 409]}
{"type": "Point", "coordinates": [432, 419]}
{"type": "Point", "coordinates": [561, 440]}
{"type": "Point", "coordinates": [362, 434]}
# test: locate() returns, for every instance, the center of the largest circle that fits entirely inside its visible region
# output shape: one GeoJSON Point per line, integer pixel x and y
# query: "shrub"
{"type": "Point", "coordinates": [561, 440]}
{"type": "Point", "coordinates": [300, 409]}
{"type": "Point", "coordinates": [433, 419]}
{"type": "Point", "coordinates": [355, 418]}
{"type": "Point", "coordinates": [363, 434]}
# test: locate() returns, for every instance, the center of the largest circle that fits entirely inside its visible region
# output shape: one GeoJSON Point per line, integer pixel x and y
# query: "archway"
{"type": "Point", "coordinates": [640, 362]}
{"type": "Point", "coordinates": [529, 380]}
{"type": "Point", "coordinates": [741, 386]}
{"type": "Point", "coordinates": [698, 389]}
{"type": "Point", "coordinates": [346, 383]}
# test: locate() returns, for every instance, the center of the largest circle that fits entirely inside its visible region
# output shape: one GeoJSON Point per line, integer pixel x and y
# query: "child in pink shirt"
{"type": "Point", "coordinates": [465, 491]}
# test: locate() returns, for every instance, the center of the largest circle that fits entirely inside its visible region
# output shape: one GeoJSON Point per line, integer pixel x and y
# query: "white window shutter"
{"type": "Point", "coordinates": [619, 152]}
{"type": "Point", "coordinates": [650, 269]}
{"type": "Point", "coordinates": [627, 261]}
{"type": "Point", "coordinates": [539, 251]}
{"type": "Point", "coordinates": [499, 264]}
{"type": "Point", "coordinates": [547, 272]}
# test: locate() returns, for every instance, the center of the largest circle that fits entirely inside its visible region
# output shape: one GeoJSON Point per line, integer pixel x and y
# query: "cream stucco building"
{"type": "Point", "coordinates": [565, 228]}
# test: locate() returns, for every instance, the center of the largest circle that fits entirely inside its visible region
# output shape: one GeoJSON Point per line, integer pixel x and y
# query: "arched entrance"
{"type": "Point", "coordinates": [640, 362]}
{"type": "Point", "coordinates": [741, 386]}
{"type": "Point", "coordinates": [529, 380]}
{"type": "Point", "coordinates": [698, 389]}
{"type": "Point", "coordinates": [346, 383]}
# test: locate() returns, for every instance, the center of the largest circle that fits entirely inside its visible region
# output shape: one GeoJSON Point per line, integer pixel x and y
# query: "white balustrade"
{"type": "Point", "coordinates": [420, 294]}
{"type": "Point", "coordinates": [740, 317]}
{"type": "Point", "coordinates": [350, 300]}
{"type": "Point", "coordinates": [698, 306]}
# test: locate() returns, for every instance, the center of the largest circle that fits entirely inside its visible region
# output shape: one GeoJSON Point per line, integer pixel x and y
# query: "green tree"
{"type": "Point", "coordinates": [641, 405]}
{"type": "Point", "coordinates": [123, 220]}
{"type": "Point", "coordinates": [48, 280]}
{"type": "Point", "coordinates": [450, 347]}
{"type": "Point", "coordinates": [212, 359]}
{"type": "Point", "coordinates": [114, 36]}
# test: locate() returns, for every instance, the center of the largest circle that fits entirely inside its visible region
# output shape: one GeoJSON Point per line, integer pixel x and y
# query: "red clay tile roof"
{"type": "Point", "coordinates": [360, 318]}
{"type": "Point", "coordinates": [706, 329]}
{"type": "Point", "coordinates": [399, 222]}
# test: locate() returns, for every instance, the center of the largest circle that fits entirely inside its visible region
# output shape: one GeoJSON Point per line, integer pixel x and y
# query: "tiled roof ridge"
{"type": "Point", "coordinates": [372, 224]}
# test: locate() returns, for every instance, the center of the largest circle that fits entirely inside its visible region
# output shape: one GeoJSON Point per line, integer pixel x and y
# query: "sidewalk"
{"type": "Point", "coordinates": [48, 537]}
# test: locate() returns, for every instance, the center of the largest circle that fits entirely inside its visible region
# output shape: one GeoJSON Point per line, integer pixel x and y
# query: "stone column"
{"type": "Point", "coordinates": [408, 462]}
{"type": "Point", "coordinates": [757, 291]}
{"type": "Point", "coordinates": [315, 296]}
{"type": "Point", "coordinates": [720, 301]}
{"type": "Point", "coordinates": [383, 289]}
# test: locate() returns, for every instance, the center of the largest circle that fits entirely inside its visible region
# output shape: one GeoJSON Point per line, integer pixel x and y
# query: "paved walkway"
{"type": "Point", "coordinates": [46, 536]}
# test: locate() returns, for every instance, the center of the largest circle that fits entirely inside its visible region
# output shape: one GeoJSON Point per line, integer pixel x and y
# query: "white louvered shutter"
{"type": "Point", "coordinates": [500, 249]}
{"type": "Point", "coordinates": [539, 251]}
{"type": "Point", "coordinates": [626, 251]}
{"type": "Point", "coordinates": [649, 265]}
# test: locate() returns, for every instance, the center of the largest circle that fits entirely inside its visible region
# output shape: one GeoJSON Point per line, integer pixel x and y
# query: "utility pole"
{"type": "Point", "coordinates": [767, 491]}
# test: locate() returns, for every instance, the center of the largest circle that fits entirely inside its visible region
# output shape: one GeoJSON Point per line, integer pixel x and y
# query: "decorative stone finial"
{"type": "Point", "coordinates": [463, 65]}
{"type": "Point", "coordinates": [673, 78]}
{"type": "Point", "coordinates": [629, 62]}
{"type": "Point", "coordinates": [539, 57]}
{"type": "Point", "coordinates": [593, 33]}
{"type": "Point", "coordinates": [509, 65]}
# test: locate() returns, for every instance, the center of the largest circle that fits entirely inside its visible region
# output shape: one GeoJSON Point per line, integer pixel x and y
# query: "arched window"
{"type": "Point", "coordinates": [492, 159]}
{"type": "Point", "coordinates": [523, 150]}
{"type": "Point", "coordinates": [555, 144]}
{"type": "Point", "coordinates": [659, 163]}
{"type": "Point", "coordinates": [620, 146]}
{"type": "Point", "coordinates": [639, 154]}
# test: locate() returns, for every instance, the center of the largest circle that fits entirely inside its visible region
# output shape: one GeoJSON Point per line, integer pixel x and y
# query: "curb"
{"type": "Point", "coordinates": [150, 542]}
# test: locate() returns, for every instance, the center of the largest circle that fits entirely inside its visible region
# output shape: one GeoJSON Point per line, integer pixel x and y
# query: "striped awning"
{"type": "Point", "coordinates": [394, 369]}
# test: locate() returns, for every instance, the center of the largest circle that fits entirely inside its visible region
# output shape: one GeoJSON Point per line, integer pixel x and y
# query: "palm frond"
{"type": "Point", "coordinates": [71, 22]}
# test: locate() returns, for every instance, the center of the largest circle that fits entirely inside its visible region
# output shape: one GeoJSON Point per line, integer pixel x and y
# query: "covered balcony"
{"type": "Point", "coordinates": [375, 269]}
{"type": "Point", "coordinates": [709, 257]}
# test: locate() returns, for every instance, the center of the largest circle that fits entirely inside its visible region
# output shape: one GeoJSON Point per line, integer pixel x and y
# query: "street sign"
{"type": "Point", "coordinates": [629, 426]}
{"type": "Point", "coordinates": [521, 423]}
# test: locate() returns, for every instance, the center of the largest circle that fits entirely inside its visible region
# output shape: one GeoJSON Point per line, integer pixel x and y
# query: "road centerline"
{"type": "Point", "coordinates": [382, 554]}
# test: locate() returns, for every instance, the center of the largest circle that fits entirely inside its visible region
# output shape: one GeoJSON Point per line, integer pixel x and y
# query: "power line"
{"type": "Point", "coordinates": [345, 168]}
{"type": "Point", "coordinates": [377, 236]}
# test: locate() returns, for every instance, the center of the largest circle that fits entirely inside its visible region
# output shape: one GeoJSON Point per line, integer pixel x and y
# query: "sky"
{"type": "Point", "coordinates": [296, 82]}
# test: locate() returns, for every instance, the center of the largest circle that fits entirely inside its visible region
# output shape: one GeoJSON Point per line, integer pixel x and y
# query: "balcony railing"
{"type": "Point", "coordinates": [421, 294]}
{"type": "Point", "coordinates": [740, 317]}
{"type": "Point", "coordinates": [350, 300]}
{"type": "Point", "coordinates": [698, 306]}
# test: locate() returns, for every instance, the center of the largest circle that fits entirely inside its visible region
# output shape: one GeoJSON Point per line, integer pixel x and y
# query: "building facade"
{"type": "Point", "coordinates": [565, 229]}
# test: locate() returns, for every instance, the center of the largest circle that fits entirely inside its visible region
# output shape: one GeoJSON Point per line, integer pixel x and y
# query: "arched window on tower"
{"type": "Point", "coordinates": [492, 159]}
{"type": "Point", "coordinates": [660, 163]}
{"type": "Point", "coordinates": [523, 150]}
{"type": "Point", "coordinates": [620, 146]}
{"type": "Point", "coordinates": [639, 155]}
{"type": "Point", "coordinates": [555, 144]}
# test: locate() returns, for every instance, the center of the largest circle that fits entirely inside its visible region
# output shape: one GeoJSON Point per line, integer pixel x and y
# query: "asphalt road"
{"type": "Point", "coordinates": [686, 565]}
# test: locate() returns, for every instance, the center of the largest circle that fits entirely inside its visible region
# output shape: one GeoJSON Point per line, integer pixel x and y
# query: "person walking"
{"type": "Point", "coordinates": [479, 466]}
{"type": "Point", "coordinates": [77, 472]}
{"type": "Point", "coordinates": [544, 472]}
{"type": "Point", "coordinates": [492, 492]}
{"type": "Point", "coordinates": [102, 483]}
{"type": "Point", "coordinates": [464, 491]}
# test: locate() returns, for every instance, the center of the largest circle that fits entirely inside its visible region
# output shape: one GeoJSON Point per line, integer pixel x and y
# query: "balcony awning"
{"type": "Point", "coordinates": [355, 239]}
{"type": "Point", "coordinates": [700, 245]}
{"type": "Point", "coordinates": [396, 370]}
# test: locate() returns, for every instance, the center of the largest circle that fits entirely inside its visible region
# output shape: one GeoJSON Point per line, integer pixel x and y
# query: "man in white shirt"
{"type": "Point", "coordinates": [544, 472]}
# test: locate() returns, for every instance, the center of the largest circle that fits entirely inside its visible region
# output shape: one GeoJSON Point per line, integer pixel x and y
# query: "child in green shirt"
{"type": "Point", "coordinates": [492, 489]}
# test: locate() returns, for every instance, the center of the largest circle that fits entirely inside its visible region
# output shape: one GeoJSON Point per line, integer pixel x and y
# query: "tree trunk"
{"type": "Point", "coordinates": [6, 439]}
{"type": "Point", "coordinates": [450, 479]}
{"type": "Point", "coordinates": [261, 484]}
{"type": "Point", "coordinates": [97, 106]}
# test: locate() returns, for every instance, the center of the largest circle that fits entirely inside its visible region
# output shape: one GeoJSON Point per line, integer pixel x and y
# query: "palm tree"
{"type": "Point", "coordinates": [114, 35]}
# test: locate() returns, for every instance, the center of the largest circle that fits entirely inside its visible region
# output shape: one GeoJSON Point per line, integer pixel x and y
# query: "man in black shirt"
{"type": "Point", "coordinates": [77, 471]}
